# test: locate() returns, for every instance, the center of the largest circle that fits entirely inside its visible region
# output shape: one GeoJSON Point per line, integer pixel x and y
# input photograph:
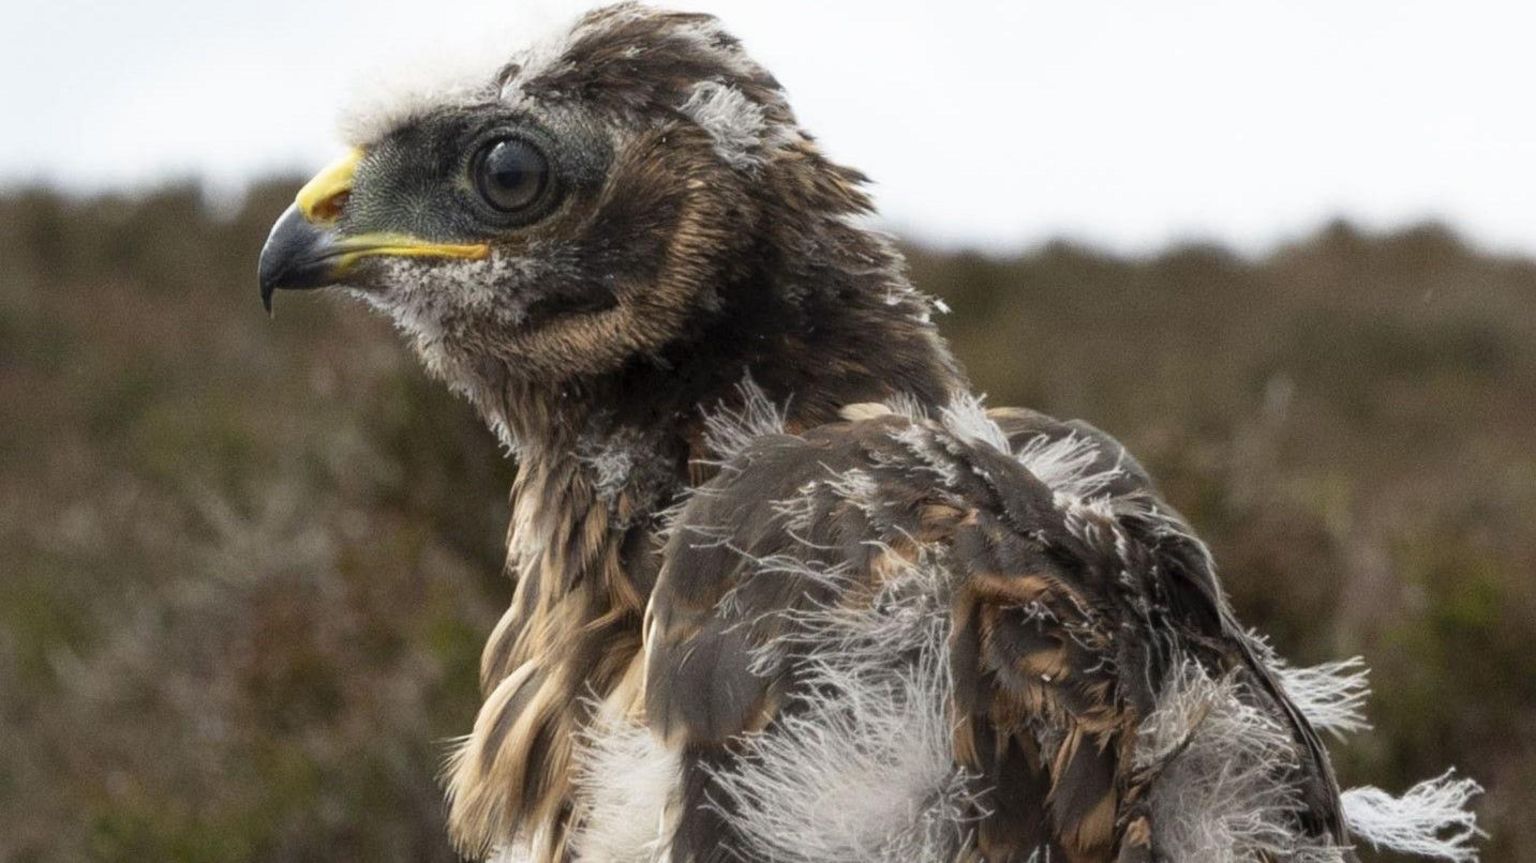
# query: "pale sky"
{"type": "Point", "coordinates": [1127, 124]}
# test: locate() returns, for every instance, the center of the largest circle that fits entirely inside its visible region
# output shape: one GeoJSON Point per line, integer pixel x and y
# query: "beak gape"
{"type": "Point", "coordinates": [305, 250]}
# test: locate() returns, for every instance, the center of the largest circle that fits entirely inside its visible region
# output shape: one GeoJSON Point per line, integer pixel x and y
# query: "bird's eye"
{"type": "Point", "coordinates": [510, 174]}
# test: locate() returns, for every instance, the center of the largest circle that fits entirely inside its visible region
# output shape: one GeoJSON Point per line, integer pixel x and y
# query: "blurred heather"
{"type": "Point", "coordinates": [246, 565]}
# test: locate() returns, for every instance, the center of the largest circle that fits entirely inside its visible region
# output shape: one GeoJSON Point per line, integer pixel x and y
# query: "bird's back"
{"type": "Point", "coordinates": [970, 635]}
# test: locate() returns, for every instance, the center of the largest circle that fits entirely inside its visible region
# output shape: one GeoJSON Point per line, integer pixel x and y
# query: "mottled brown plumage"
{"type": "Point", "coordinates": [1059, 633]}
{"type": "Point", "coordinates": [783, 591]}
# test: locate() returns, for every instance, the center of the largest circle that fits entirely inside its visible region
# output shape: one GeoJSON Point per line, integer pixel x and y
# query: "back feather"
{"type": "Point", "coordinates": [982, 635]}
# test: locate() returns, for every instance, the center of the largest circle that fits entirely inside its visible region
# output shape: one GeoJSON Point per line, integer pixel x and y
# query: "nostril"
{"type": "Point", "coordinates": [322, 198]}
{"type": "Point", "coordinates": [329, 210]}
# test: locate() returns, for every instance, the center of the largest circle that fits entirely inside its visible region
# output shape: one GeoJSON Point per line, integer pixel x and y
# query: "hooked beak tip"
{"type": "Point", "coordinates": [296, 256]}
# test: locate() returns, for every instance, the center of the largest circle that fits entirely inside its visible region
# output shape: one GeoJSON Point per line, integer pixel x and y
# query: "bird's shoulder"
{"type": "Point", "coordinates": [1011, 504]}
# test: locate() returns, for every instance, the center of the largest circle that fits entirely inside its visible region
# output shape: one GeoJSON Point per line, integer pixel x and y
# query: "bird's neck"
{"type": "Point", "coordinates": [601, 459]}
{"type": "Point", "coordinates": [813, 327]}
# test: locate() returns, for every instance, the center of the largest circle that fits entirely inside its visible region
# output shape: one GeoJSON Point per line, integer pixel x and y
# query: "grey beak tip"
{"type": "Point", "coordinates": [297, 256]}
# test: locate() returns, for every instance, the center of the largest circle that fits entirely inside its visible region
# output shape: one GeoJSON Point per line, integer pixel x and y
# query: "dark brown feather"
{"type": "Point", "coordinates": [1054, 646]}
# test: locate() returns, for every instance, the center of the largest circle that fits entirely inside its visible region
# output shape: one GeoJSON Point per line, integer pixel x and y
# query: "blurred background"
{"type": "Point", "coordinates": [1285, 251]}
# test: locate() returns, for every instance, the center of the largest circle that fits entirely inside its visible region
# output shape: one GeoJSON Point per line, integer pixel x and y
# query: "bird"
{"type": "Point", "coordinates": [785, 589]}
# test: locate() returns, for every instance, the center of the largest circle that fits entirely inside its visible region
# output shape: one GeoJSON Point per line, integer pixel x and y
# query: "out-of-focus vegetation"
{"type": "Point", "coordinates": [246, 566]}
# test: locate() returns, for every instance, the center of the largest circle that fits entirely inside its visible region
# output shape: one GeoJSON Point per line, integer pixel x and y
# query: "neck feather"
{"type": "Point", "coordinates": [797, 339]}
{"type": "Point", "coordinates": [815, 325]}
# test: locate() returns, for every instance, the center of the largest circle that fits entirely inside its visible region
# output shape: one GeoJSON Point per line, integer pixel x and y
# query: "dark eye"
{"type": "Point", "coordinates": [510, 174]}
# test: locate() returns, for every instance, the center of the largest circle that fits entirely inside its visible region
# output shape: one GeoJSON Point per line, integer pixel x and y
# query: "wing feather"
{"type": "Point", "coordinates": [1009, 579]}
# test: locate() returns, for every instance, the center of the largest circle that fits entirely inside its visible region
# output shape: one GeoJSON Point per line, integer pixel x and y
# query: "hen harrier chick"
{"type": "Point", "coordinates": [784, 590]}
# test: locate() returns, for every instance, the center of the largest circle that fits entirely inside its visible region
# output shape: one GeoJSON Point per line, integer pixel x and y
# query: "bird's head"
{"type": "Point", "coordinates": [588, 204]}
